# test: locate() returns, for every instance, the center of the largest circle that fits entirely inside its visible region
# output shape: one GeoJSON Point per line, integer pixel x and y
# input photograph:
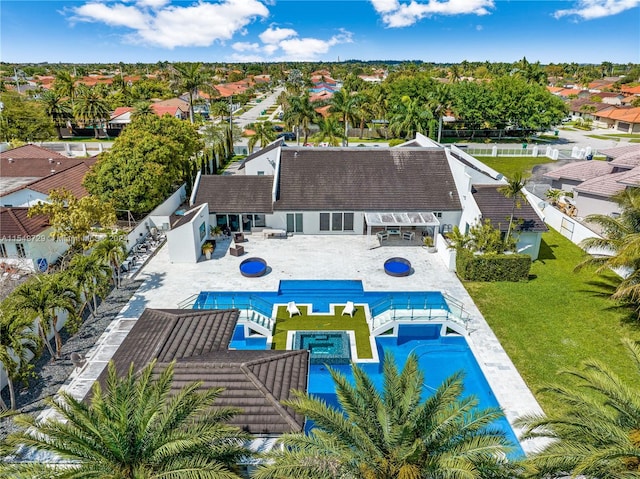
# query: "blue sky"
{"type": "Point", "coordinates": [84, 31]}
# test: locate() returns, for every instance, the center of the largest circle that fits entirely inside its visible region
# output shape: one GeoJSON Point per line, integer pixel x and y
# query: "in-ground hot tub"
{"type": "Point", "coordinates": [397, 267]}
{"type": "Point", "coordinates": [253, 267]}
{"type": "Point", "coordinates": [325, 347]}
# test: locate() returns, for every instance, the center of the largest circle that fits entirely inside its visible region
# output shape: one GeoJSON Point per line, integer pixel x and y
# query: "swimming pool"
{"type": "Point", "coordinates": [325, 347]}
{"type": "Point", "coordinates": [439, 356]}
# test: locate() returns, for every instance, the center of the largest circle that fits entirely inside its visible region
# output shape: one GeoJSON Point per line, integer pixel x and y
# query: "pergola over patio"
{"type": "Point", "coordinates": [398, 220]}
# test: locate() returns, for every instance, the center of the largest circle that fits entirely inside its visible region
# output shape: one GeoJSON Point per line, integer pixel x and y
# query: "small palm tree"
{"type": "Point", "coordinates": [597, 434]}
{"type": "Point", "coordinates": [92, 277]}
{"type": "Point", "coordinates": [57, 108]}
{"type": "Point", "coordinates": [17, 343]}
{"type": "Point", "coordinates": [300, 112]}
{"type": "Point", "coordinates": [513, 190]}
{"type": "Point", "coordinates": [344, 104]}
{"type": "Point", "coordinates": [263, 133]}
{"type": "Point", "coordinates": [390, 434]}
{"type": "Point", "coordinates": [138, 428]}
{"type": "Point", "coordinates": [111, 252]}
{"type": "Point", "coordinates": [142, 110]}
{"type": "Point", "coordinates": [411, 117]}
{"type": "Point", "coordinates": [91, 108]}
{"type": "Point", "coordinates": [330, 131]}
{"type": "Point", "coordinates": [191, 77]}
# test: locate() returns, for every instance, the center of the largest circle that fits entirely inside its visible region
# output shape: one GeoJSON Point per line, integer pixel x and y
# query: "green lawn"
{"type": "Point", "coordinates": [508, 165]}
{"type": "Point", "coordinates": [327, 322]}
{"type": "Point", "coordinates": [558, 318]}
{"type": "Point", "coordinates": [611, 136]}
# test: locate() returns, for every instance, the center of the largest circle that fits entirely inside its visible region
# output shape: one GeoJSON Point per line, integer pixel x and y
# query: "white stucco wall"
{"type": "Point", "coordinates": [35, 247]}
{"type": "Point", "coordinates": [594, 205]}
{"type": "Point", "coordinates": [184, 242]}
{"type": "Point", "coordinates": [264, 163]}
{"type": "Point", "coordinates": [311, 222]}
{"type": "Point", "coordinates": [24, 197]}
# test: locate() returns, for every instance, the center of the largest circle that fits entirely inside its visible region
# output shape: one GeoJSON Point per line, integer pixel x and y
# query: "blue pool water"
{"type": "Point", "coordinates": [439, 357]}
{"type": "Point", "coordinates": [325, 347]}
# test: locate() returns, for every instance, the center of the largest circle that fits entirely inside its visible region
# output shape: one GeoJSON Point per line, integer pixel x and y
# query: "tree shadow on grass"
{"type": "Point", "coordinates": [603, 287]}
{"type": "Point", "coordinates": [546, 251]}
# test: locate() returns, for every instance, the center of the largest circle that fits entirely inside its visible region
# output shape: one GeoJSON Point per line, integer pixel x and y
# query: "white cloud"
{"type": "Point", "coordinates": [160, 24]}
{"type": "Point", "coordinates": [274, 35]}
{"type": "Point", "coordinates": [479, 28]}
{"type": "Point", "coordinates": [590, 9]}
{"type": "Point", "coordinates": [396, 14]}
{"type": "Point", "coordinates": [245, 47]}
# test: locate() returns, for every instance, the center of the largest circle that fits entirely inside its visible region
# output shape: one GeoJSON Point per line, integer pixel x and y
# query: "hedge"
{"type": "Point", "coordinates": [492, 267]}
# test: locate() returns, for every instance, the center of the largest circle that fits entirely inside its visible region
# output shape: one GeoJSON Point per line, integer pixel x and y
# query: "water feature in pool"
{"type": "Point", "coordinates": [325, 347]}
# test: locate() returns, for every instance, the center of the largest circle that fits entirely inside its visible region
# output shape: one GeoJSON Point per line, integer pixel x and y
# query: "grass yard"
{"type": "Point", "coordinates": [558, 318]}
{"type": "Point", "coordinates": [327, 322]}
{"type": "Point", "coordinates": [508, 165]}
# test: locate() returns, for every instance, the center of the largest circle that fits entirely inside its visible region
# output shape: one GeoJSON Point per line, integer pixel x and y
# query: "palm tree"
{"type": "Point", "coordinates": [263, 133]}
{"type": "Point", "coordinates": [330, 131]}
{"type": "Point", "coordinates": [91, 107]}
{"type": "Point", "coordinates": [65, 85]}
{"type": "Point", "coordinates": [112, 252]}
{"type": "Point", "coordinates": [513, 190]}
{"type": "Point", "coordinates": [300, 112]}
{"type": "Point", "coordinates": [190, 77]}
{"type": "Point", "coordinates": [57, 108]}
{"type": "Point", "coordinates": [138, 428]}
{"type": "Point", "coordinates": [411, 117]}
{"type": "Point", "coordinates": [43, 298]}
{"type": "Point", "coordinates": [18, 343]}
{"type": "Point", "coordinates": [619, 248]}
{"type": "Point", "coordinates": [219, 108]}
{"type": "Point", "coordinates": [91, 276]}
{"type": "Point", "coordinates": [344, 103]}
{"type": "Point", "coordinates": [389, 434]}
{"type": "Point", "coordinates": [142, 109]}
{"type": "Point", "coordinates": [597, 434]}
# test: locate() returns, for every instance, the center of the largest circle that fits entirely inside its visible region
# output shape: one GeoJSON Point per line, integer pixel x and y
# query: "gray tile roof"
{"type": "Point", "coordinates": [366, 179]}
{"type": "Point", "coordinates": [236, 193]}
{"type": "Point", "coordinates": [580, 170]}
{"type": "Point", "coordinates": [604, 186]}
{"type": "Point", "coordinates": [496, 207]}
{"type": "Point", "coordinates": [271, 146]}
{"type": "Point", "coordinates": [620, 151]}
{"type": "Point", "coordinates": [254, 381]}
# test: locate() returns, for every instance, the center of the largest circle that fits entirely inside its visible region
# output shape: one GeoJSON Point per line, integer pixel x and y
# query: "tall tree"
{"type": "Point", "coordinates": [141, 110]}
{"type": "Point", "coordinates": [410, 117]}
{"type": "Point", "coordinates": [137, 428]}
{"type": "Point", "coordinates": [300, 112]}
{"type": "Point", "coordinates": [92, 277]}
{"type": "Point", "coordinates": [191, 77]}
{"type": "Point", "coordinates": [65, 85]}
{"type": "Point", "coordinates": [596, 434]}
{"type": "Point", "coordinates": [91, 107]}
{"type": "Point", "coordinates": [513, 190]}
{"type": "Point", "coordinates": [390, 434]}
{"type": "Point", "coordinates": [263, 134]}
{"type": "Point", "coordinates": [330, 131]}
{"type": "Point", "coordinates": [112, 252]}
{"type": "Point", "coordinates": [344, 104]}
{"type": "Point", "coordinates": [57, 108]}
{"type": "Point", "coordinates": [17, 343]}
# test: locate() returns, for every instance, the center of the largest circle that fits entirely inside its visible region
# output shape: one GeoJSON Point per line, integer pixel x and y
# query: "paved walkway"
{"type": "Point", "coordinates": [165, 285]}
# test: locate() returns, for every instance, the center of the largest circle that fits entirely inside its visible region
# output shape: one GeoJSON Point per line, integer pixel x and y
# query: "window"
{"type": "Point", "coordinates": [260, 173]}
{"type": "Point", "coordinates": [3, 250]}
{"type": "Point", "coordinates": [336, 221]}
{"type": "Point", "coordinates": [294, 222]}
{"type": "Point", "coordinates": [437, 214]}
{"type": "Point", "coordinates": [20, 250]}
{"type": "Point", "coordinates": [324, 221]}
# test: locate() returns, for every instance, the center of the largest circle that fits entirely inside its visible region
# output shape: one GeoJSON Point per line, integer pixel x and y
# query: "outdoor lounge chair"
{"type": "Point", "coordinates": [292, 309]}
{"type": "Point", "coordinates": [349, 309]}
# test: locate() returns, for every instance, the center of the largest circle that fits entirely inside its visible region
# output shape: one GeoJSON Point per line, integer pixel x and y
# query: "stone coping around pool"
{"type": "Point", "coordinates": [352, 343]}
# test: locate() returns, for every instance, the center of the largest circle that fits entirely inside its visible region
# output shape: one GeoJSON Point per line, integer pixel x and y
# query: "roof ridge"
{"type": "Point", "coordinates": [282, 411]}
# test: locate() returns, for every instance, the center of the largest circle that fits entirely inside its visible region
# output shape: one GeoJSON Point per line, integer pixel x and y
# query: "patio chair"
{"type": "Point", "coordinates": [292, 309]}
{"type": "Point", "coordinates": [349, 309]}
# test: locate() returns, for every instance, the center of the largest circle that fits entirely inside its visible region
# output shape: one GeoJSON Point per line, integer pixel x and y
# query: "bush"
{"type": "Point", "coordinates": [492, 267]}
{"type": "Point", "coordinates": [396, 142]}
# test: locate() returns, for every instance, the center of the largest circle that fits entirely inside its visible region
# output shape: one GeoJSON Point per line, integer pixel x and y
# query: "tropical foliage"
{"type": "Point", "coordinates": [135, 428]}
{"type": "Point", "coordinates": [390, 434]}
{"type": "Point", "coordinates": [263, 133]}
{"type": "Point", "coordinates": [597, 433]}
{"type": "Point", "coordinates": [513, 190]}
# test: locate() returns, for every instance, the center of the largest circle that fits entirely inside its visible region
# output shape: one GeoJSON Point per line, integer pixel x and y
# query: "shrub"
{"type": "Point", "coordinates": [492, 267]}
{"type": "Point", "coordinates": [396, 142]}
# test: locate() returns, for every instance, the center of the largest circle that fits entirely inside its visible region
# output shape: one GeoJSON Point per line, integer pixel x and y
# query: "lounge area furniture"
{"type": "Point", "coordinates": [394, 233]}
{"type": "Point", "coordinates": [292, 309]}
{"type": "Point", "coordinates": [408, 235]}
{"type": "Point", "coordinates": [237, 250]}
{"type": "Point", "coordinates": [274, 233]}
{"type": "Point", "coordinates": [238, 238]}
{"type": "Point", "coordinates": [382, 235]}
{"type": "Point", "coordinates": [349, 309]}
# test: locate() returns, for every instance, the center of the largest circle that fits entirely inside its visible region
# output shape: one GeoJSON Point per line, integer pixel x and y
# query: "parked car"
{"type": "Point", "coordinates": [288, 136]}
{"type": "Point", "coordinates": [277, 128]}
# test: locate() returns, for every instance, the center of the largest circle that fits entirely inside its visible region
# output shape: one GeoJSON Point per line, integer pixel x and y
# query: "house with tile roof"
{"type": "Point", "coordinates": [595, 182]}
{"type": "Point", "coordinates": [622, 119]}
{"type": "Point", "coordinates": [121, 116]}
{"type": "Point", "coordinates": [419, 188]}
{"type": "Point", "coordinates": [256, 382]}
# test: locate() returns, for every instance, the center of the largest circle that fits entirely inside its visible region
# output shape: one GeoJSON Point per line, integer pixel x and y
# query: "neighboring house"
{"type": "Point", "coordinates": [121, 116]}
{"type": "Point", "coordinates": [626, 120]}
{"type": "Point", "coordinates": [630, 90]}
{"type": "Point", "coordinates": [594, 182]}
{"type": "Point", "coordinates": [254, 381]}
{"type": "Point", "coordinates": [25, 242]}
{"type": "Point", "coordinates": [191, 228]}
{"type": "Point", "coordinates": [586, 109]}
{"type": "Point", "coordinates": [25, 164]}
{"type": "Point", "coordinates": [38, 190]}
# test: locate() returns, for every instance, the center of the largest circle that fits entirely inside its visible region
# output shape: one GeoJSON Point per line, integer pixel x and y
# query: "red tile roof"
{"type": "Point", "coordinates": [70, 179]}
{"type": "Point", "coordinates": [634, 90]}
{"type": "Point", "coordinates": [631, 115]}
{"type": "Point", "coordinates": [15, 224]}
{"type": "Point", "coordinates": [32, 161]}
{"type": "Point", "coordinates": [30, 152]}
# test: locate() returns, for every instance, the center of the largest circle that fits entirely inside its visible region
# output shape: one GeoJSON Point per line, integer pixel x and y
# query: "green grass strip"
{"type": "Point", "coordinates": [321, 322]}
{"type": "Point", "coordinates": [559, 318]}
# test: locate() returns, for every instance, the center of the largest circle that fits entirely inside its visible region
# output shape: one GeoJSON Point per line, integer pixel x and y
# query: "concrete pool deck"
{"type": "Point", "coordinates": [165, 285]}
